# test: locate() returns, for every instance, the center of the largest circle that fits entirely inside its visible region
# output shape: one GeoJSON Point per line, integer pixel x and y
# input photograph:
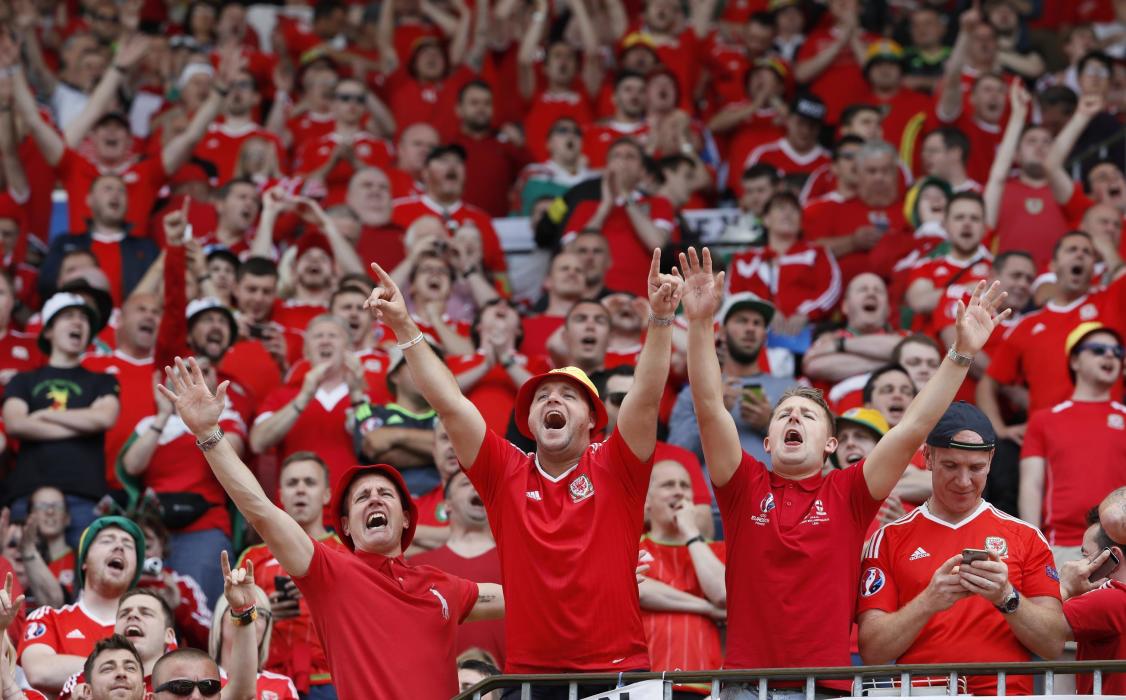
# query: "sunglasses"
{"type": "Point", "coordinates": [1100, 349]}
{"type": "Point", "coordinates": [183, 687]}
{"type": "Point", "coordinates": [616, 397]}
{"type": "Point", "coordinates": [350, 97]}
{"type": "Point", "coordinates": [567, 131]}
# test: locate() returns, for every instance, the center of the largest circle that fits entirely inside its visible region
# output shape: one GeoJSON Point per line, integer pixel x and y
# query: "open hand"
{"type": "Point", "coordinates": [175, 224]}
{"type": "Point", "coordinates": [197, 406]}
{"type": "Point", "coordinates": [703, 291]}
{"type": "Point", "coordinates": [977, 320]}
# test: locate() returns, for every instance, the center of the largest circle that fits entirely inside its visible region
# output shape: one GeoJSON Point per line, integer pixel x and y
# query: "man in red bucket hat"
{"type": "Point", "coordinates": [567, 517]}
{"type": "Point", "coordinates": [375, 614]}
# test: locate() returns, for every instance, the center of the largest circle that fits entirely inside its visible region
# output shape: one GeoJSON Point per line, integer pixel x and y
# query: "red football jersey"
{"type": "Point", "coordinates": [432, 508]}
{"type": "Point", "coordinates": [143, 179]}
{"type": "Point", "coordinates": [295, 315]}
{"type": "Point", "coordinates": [679, 641]}
{"type": "Point", "coordinates": [71, 629]}
{"type": "Point", "coordinates": [433, 103]}
{"type": "Point", "coordinates": [900, 560]}
{"type": "Point", "coordinates": [320, 428]}
{"type": "Point", "coordinates": [940, 272]}
{"type": "Point", "coordinates": [984, 140]}
{"type": "Point", "coordinates": [485, 568]}
{"type": "Point", "coordinates": [831, 217]}
{"type": "Point", "coordinates": [1031, 220]}
{"type": "Point", "coordinates": [546, 109]}
{"type": "Point", "coordinates": [494, 394]}
{"type": "Point", "coordinates": [406, 211]}
{"type": "Point", "coordinates": [177, 466]}
{"type": "Point", "coordinates": [19, 352]}
{"type": "Point", "coordinates": [784, 158]}
{"type": "Point", "coordinates": [794, 544]}
{"type": "Point", "coordinates": [1083, 444]}
{"type": "Point", "coordinates": [367, 148]}
{"type": "Point", "coordinates": [222, 143]}
{"type": "Point", "coordinates": [803, 280]}
{"type": "Point", "coordinates": [1032, 350]}
{"type": "Point", "coordinates": [628, 253]}
{"type": "Point", "coordinates": [308, 127]}
{"type": "Point", "coordinates": [598, 138]}
{"type": "Point", "coordinates": [1098, 621]}
{"type": "Point", "coordinates": [537, 330]}
{"type": "Point", "coordinates": [842, 82]}
{"type": "Point", "coordinates": [548, 531]}
{"type": "Point", "coordinates": [295, 649]}
{"type": "Point", "coordinates": [398, 617]}
{"type": "Point", "coordinates": [63, 570]}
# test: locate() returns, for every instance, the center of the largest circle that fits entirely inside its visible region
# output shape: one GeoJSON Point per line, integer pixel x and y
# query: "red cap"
{"type": "Point", "coordinates": [10, 209]}
{"type": "Point", "coordinates": [188, 172]}
{"type": "Point", "coordinates": [340, 490]}
{"type": "Point", "coordinates": [314, 239]}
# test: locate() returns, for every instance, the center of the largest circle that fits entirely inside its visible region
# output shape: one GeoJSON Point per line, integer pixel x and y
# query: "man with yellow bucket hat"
{"type": "Point", "coordinates": [1074, 453]}
{"type": "Point", "coordinates": [567, 517]}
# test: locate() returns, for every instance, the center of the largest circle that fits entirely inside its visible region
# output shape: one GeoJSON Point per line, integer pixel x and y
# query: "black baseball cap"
{"type": "Point", "coordinates": [958, 417]}
{"type": "Point", "coordinates": [810, 107]}
{"type": "Point", "coordinates": [118, 117]}
{"type": "Point", "coordinates": [446, 149]}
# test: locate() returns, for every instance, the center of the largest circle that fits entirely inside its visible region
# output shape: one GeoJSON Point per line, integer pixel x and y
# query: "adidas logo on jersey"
{"type": "Point", "coordinates": [919, 553]}
{"type": "Point", "coordinates": [75, 634]}
{"type": "Point", "coordinates": [534, 496]}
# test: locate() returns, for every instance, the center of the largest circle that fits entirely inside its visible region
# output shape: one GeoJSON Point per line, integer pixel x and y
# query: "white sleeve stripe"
{"type": "Point", "coordinates": [832, 293]}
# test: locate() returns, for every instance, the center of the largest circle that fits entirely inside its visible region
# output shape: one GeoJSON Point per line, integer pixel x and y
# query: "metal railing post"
{"type": "Point", "coordinates": [715, 687]}
{"type": "Point", "coordinates": [1001, 678]}
{"type": "Point", "coordinates": [1097, 682]}
{"type": "Point", "coordinates": [762, 689]}
{"type": "Point", "coordinates": [857, 685]}
{"type": "Point", "coordinates": [952, 683]}
{"type": "Point", "coordinates": [572, 691]}
{"type": "Point", "coordinates": [525, 691]}
{"type": "Point", "coordinates": [809, 688]}
{"type": "Point", "coordinates": [1049, 682]}
{"type": "Point", "coordinates": [905, 683]}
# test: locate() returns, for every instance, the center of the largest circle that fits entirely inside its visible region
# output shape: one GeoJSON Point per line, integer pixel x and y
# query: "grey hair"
{"type": "Point", "coordinates": [875, 149]}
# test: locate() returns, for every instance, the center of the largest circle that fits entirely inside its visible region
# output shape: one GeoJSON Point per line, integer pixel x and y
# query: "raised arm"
{"type": "Point", "coordinates": [637, 419]}
{"type": "Point", "coordinates": [11, 169]}
{"type": "Point", "coordinates": [177, 151]}
{"type": "Point", "coordinates": [950, 102]}
{"type": "Point", "coordinates": [242, 666]}
{"type": "Point", "coordinates": [101, 99]}
{"type": "Point", "coordinates": [431, 376]}
{"type": "Point", "coordinates": [719, 438]}
{"type": "Point", "coordinates": [342, 251]}
{"type": "Point", "coordinates": [529, 45]}
{"type": "Point", "coordinates": [41, 582]}
{"type": "Point", "coordinates": [893, 452]}
{"type": "Point", "coordinates": [48, 141]}
{"type": "Point", "coordinates": [808, 70]}
{"type": "Point", "coordinates": [200, 411]}
{"type": "Point", "coordinates": [1063, 186]}
{"type": "Point", "coordinates": [1003, 160]}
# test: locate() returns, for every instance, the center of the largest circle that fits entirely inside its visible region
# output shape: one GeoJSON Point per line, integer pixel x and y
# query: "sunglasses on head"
{"type": "Point", "coordinates": [350, 97]}
{"type": "Point", "coordinates": [616, 397]}
{"type": "Point", "coordinates": [1100, 349]}
{"type": "Point", "coordinates": [183, 687]}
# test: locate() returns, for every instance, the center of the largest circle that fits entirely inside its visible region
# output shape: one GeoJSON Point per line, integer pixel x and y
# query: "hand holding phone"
{"type": "Point", "coordinates": [1106, 568]}
{"type": "Point", "coordinates": [971, 555]}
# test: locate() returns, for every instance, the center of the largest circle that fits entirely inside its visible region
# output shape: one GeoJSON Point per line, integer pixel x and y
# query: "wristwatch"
{"type": "Point", "coordinates": [1010, 604]}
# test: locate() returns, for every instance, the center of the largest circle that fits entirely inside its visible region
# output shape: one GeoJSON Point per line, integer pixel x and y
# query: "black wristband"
{"type": "Point", "coordinates": [841, 343]}
{"type": "Point", "coordinates": [693, 540]}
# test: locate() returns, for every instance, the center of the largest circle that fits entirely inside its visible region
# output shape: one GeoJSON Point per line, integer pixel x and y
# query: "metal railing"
{"type": "Point", "coordinates": [899, 676]}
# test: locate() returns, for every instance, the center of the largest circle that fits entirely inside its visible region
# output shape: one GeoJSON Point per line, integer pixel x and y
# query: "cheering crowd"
{"type": "Point", "coordinates": [557, 336]}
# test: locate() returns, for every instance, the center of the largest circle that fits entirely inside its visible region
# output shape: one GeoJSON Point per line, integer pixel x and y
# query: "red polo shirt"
{"type": "Point", "coordinates": [388, 628]}
{"type": "Point", "coordinates": [491, 166]}
{"type": "Point", "coordinates": [793, 565]}
{"type": "Point", "coordinates": [143, 180]}
{"type": "Point", "coordinates": [550, 532]}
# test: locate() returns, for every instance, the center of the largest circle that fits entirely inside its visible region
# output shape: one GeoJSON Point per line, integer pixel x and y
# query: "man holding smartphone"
{"type": "Point", "coordinates": [1097, 619]}
{"type": "Point", "coordinates": [958, 580]}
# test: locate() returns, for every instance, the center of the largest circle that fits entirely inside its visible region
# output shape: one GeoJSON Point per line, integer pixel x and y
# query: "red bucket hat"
{"type": "Point", "coordinates": [345, 481]}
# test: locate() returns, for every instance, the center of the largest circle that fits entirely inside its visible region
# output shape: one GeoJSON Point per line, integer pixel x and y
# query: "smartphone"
{"type": "Point", "coordinates": [257, 330]}
{"type": "Point", "coordinates": [755, 391]}
{"type": "Point", "coordinates": [281, 584]}
{"type": "Point", "coordinates": [972, 555]}
{"type": "Point", "coordinates": [1106, 569]}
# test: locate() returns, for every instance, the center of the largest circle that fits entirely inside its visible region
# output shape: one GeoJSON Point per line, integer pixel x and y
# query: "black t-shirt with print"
{"type": "Point", "coordinates": [76, 465]}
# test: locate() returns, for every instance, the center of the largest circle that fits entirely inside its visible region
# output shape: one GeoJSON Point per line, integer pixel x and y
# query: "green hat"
{"type": "Point", "coordinates": [92, 531]}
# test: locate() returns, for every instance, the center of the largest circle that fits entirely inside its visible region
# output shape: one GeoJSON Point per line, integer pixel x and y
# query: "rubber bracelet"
{"type": "Point", "coordinates": [693, 540]}
{"type": "Point", "coordinates": [658, 321]}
